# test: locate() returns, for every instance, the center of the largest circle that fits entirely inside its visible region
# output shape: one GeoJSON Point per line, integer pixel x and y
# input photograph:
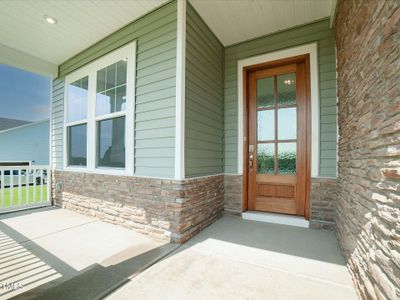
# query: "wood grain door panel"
{"type": "Point", "coordinates": [277, 125]}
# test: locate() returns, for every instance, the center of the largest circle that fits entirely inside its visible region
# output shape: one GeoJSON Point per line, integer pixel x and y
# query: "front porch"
{"type": "Point", "coordinates": [64, 255]}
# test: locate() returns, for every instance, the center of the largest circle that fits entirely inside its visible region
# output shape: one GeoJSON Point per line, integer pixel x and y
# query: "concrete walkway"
{"type": "Point", "coordinates": [238, 259]}
{"type": "Point", "coordinates": [59, 254]}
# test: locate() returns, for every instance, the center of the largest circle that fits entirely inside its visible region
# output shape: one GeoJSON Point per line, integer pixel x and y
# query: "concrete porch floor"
{"type": "Point", "coordinates": [59, 254]}
{"type": "Point", "coordinates": [239, 259]}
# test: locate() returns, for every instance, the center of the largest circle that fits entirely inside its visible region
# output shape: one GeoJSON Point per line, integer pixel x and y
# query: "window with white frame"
{"type": "Point", "coordinates": [99, 114]}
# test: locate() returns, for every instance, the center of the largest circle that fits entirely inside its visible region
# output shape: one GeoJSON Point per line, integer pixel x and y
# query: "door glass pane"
{"type": "Point", "coordinates": [77, 99]}
{"type": "Point", "coordinates": [286, 85]}
{"type": "Point", "coordinates": [265, 158]}
{"type": "Point", "coordinates": [287, 123]}
{"type": "Point", "coordinates": [287, 158]}
{"type": "Point", "coordinates": [111, 143]}
{"type": "Point", "coordinates": [77, 154]}
{"type": "Point", "coordinates": [265, 92]}
{"type": "Point", "coordinates": [111, 88]}
{"type": "Point", "coordinates": [265, 125]}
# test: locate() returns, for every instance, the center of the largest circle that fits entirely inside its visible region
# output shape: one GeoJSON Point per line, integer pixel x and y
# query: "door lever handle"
{"type": "Point", "coordinates": [251, 161]}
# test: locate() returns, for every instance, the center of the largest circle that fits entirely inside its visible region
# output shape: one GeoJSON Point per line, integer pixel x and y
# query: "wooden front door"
{"type": "Point", "coordinates": [277, 154]}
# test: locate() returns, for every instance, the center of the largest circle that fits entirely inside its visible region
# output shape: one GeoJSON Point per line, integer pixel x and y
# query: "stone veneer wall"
{"type": "Point", "coordinates": [368, 206]}
{"type": "Point", "coordinates": [323, 197]}
{"type": "Point", "coordinates": [168, 209]}
{"type": "Point", "coordinates": [233, 193]}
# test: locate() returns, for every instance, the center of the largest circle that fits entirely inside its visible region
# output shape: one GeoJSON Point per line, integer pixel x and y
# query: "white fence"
{"type": "Point", "coordinates": [23, 187]}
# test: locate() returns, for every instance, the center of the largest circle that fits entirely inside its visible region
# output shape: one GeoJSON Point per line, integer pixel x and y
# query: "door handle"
{"type": "Point", "coordinates": [251, 161]}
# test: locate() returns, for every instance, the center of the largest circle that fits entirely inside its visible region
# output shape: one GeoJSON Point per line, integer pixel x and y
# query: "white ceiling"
{"type": "Point", "coordinates": [29, 42]}
{"type": "Point", "coordinates": [234, 21]}
{"type": "Point", "coordinates": [80, 24]}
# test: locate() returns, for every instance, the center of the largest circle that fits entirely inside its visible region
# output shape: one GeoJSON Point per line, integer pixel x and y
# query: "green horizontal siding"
{"type": "Point", "coordinates": [57, 123]}
{"type": "Point", "coordinates": [155, 34]}
{"type": "Point", "coordinates": [204, 107]}
{"type": "Point", "coordinates": [315, 32]}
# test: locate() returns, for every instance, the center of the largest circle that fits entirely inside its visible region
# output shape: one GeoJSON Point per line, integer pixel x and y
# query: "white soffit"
{"type": "Point", "coordinates": [80, 24]}
{"type": "Point", "coordinates": [235, 21]}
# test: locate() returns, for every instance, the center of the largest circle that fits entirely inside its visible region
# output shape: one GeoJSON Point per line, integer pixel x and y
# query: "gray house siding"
{"type": "Point", "coordinates": [26, 143]}
{"type": "Point", "coordinates": [155, 34]}
{"type": "Point", "coordinates": [204, 106]}
{"type": "Point", "coordinates": [314, 32]}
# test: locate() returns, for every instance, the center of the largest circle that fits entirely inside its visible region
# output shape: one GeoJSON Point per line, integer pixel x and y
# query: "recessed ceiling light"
{"type": "Point", "coordinates": [50, 19]}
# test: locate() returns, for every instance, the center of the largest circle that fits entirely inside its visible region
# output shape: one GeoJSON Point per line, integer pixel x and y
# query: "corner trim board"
{"type": "Point", "coordinates": [180, 91]}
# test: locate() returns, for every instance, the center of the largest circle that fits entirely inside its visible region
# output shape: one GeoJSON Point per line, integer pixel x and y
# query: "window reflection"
{"type": "Point", "coordinates": [111, 88]}
{"type": "Point", "coordinates": [77, 98]}
{"type": "Point", "coordinates": [77, 152]}
{"type": "Point", "coordinates": [111, 143]}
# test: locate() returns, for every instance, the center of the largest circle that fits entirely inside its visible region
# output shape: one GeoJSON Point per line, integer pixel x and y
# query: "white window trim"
{"type": "Point", "coordinates": [310, 49]}
{"type": "Point", "coordinates": [128, 51]}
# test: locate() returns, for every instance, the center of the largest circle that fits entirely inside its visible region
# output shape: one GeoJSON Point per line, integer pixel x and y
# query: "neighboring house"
{"type": "Point", "coordinates": [198, 107]}
{"type": "Point", "coordinates": [6, 123]}
{"type": "Point", "coordinates": [24, 143]}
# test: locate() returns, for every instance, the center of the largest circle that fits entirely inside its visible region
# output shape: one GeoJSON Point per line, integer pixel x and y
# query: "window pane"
{"type": "Point", "coordinates": [77, 144]}
{"type": "Point", "coordinates": [120, 101]}
{"type": "Point", "coordinates": [111, 143]}
{"type": "Point", "coordinates": [111, 76]}
{"type": "Point", "coordinates": [77, 99]}
{"type": "Point", "coordinates": [265, 125]}
{"type": "Point", "coordinates": [101, 81]}
{"type": "Point", "coordinates": [287, 158]}
{"type": "Point", "coordinates": [111, 88]}
{"type": "Point", "coordinates": [287, 123]}
{"type": "Point", "coordinates": [121, 72]}
{"type": "Point", "coordinates": [286, 89]}
{"type": "Point", "coordinates": [265, 92]}
{"type": "Point", "coordinates": [265, 158]}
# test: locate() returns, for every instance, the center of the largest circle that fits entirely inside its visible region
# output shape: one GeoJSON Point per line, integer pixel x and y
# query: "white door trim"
{"type": "Point", "coordinates": [310, 49]}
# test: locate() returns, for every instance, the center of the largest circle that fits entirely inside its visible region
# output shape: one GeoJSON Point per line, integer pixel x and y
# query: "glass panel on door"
{"type": "Point", "coordinates": [276, 125]}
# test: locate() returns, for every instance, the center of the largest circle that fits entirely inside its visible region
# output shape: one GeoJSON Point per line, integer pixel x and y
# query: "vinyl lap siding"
{"type": "Point", "coordinates": [155, 34]}
{"type": "Point", "coordinates": [57, 123]}
{"type": "Point", "coordinates": [318, 31]}
{"type": "Point", "coordinates": [204, 105]}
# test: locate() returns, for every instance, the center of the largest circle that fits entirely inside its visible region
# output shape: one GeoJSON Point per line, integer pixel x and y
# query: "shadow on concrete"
{"type": "Point", "coordinates": [29, 271]}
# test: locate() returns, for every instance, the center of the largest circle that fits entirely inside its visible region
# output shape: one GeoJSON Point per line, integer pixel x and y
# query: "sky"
{"type": "Point", "coordinates": [23, 95]}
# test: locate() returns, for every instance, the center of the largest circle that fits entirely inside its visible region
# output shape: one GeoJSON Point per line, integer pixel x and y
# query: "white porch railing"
{"type": "Point", "coordinates": [23, 187]}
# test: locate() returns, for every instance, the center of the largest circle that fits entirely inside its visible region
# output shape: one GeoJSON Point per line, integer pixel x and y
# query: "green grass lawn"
{"type": "Point", "coordinates": [16, 203]}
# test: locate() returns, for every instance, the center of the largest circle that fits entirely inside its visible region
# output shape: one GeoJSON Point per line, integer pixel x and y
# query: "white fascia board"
{"type": "Point", "coordinates": [27, 62]}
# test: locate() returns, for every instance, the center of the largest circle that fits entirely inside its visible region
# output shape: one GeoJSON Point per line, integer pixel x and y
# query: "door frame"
{"type": "Point", "coordinates": [304, 58]}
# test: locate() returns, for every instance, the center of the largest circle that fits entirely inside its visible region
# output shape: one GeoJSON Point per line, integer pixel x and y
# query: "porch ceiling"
{"type": "Point", "coordinates": [234, 21]}
{"type": "Point", "coordinates": [28, 41]}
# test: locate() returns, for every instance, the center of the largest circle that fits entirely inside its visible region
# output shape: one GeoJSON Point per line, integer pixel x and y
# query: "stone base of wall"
{"type": "Point", "coordinates": [167, 209]}
{"type": "Point", "coordinates": [323, 197]}
{"type": "Point", "coordinates": [233, 193]}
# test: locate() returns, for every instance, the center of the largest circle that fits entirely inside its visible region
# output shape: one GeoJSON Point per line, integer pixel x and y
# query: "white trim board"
{"type": "Point", "coordinates": [310, 49]}
{"type": "Point", "coordinates": [275, 218]}
{"type": "Point", "coordinates": [180, 92]}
